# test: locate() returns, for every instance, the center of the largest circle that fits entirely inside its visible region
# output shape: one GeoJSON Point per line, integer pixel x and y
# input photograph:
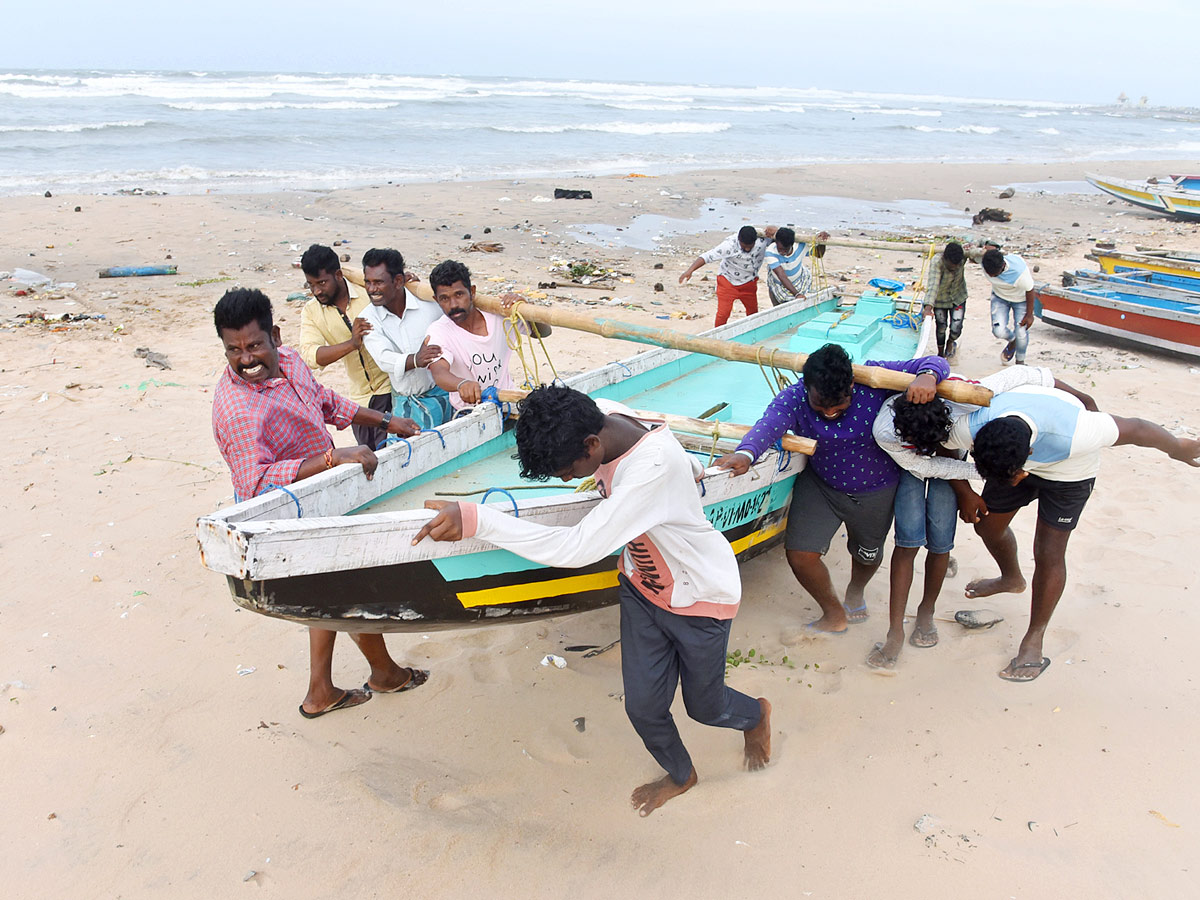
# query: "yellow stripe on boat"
{"type": "Point", "coordinates": [580, 584]}
{"type": "Point", "coordinates": [757, 537]}
{"type": "Point", "coordinates": [539, 590]}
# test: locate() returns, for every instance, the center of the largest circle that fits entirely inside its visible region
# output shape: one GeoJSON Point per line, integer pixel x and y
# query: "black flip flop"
{"type": "Point", "coordinates": [1012, 664]}
{"type": "Point", "coordinates": [416, 679]}
{"type": "Point", "coordinates": [344, 703]}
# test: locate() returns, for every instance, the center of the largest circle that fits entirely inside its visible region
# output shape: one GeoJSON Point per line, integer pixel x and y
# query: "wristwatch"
{"type": "Point", "coordinates": [387, 417]}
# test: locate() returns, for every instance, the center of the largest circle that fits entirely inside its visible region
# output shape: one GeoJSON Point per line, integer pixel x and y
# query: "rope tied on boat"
{"type": "Point", "coordinates": [512, 334]}
{"type": "Point", "coordinates": [588, 484]}
{"type": "Point", "coordinates": [496, 490]}
{"type": "Point", "coordinates": [781, 381]}
{"type": "Point", "coordinates": [295, 499]}
{"type": "Point", "coordinates": [784, 458]}
{"type": "Point", "coordinates": [492, 395]}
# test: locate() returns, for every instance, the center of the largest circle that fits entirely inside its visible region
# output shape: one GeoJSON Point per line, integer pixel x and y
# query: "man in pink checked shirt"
{"type": "Point", "coordinates": [269, 421]}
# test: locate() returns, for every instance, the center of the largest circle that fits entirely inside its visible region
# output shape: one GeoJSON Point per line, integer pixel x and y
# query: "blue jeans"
{"type": "Point", "coordinates": [926, 513]}
{"type": "Point", "coordinates": [1006, 318]}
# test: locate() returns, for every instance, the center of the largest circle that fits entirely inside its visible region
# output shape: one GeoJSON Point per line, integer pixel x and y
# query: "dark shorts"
{"type": "Point", "coordinates": [1059, 502]}
{"type": "Point", "coordinates": [818, 511]}
{"type": "Point", "coordinates": [368, 434]}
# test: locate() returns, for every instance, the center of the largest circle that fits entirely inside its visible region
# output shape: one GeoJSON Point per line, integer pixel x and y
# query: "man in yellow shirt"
{"type": "Point", "coordinates": [331, 329]}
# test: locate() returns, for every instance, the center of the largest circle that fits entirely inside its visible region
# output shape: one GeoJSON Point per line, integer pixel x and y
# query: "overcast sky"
{"type": "Point", "coordinates": [1021, 49]}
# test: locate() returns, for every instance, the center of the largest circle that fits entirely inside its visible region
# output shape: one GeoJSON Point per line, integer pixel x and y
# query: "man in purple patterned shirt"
{"type": "Point", "coordinates": [849, 478]}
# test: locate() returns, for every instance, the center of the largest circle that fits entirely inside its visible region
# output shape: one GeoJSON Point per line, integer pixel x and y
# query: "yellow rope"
{"type": "Point", "coordinates": [512, 334]}
{"type": "Point", "coordinates": [716, 436]}
{"type": "Point", "coordinates": [588, 484]}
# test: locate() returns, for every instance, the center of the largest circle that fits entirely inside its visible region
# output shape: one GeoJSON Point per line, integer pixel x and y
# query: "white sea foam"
{"type": "Point", "coordinates": [1049, 131]}
{"type": "Point", "coordinates": [638, 128]}
{"type": "Point", "coordinates": [276, 104]}
{"type": "Point", "coordinates": [961, 129]}
{"type": "Point", "coordinates": [74, 128]}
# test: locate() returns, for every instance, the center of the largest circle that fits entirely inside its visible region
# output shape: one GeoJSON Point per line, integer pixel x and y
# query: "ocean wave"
{"type": "Point", "coordinates": [73, 128]}
{"type": "Point", "coordinates": [930, 113]}
{"type": "Point", "coordinates": [638, 128]}
{"type": "Point", "coordinates": [1048, 131]}
{"type": "Point", "coordinates": [278, 104]}
{"type": "Point", "coordinates": [1035, 114]}
{"type": "Point", "coordinates": [961, 129]}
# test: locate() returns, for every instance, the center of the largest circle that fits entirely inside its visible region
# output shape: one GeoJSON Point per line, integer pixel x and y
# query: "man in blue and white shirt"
{"type": "Point", "coordinates": [1042, 443]}
{"type": "Point", "coordinates": [1012, 286]}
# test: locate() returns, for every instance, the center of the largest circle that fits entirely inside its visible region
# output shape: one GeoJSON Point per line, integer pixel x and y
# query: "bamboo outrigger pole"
{"type": "Point", "coordinates": [689, 425]}
{"type": "Point", "coordinates": [870, 376]}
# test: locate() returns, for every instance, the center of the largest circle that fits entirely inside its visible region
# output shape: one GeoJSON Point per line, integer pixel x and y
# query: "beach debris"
{"type": "Point", "coordinates": [925, 824]}
{"type": "Point", "coordinates": [1006, 193]}
{"type": "Point", "coordinates": [48, 194]}
{"type": "Point", "coordinates": [551, 660]}
{"type": "Point", "coordinates": [29, 278]}
{"type": "Point", "coordinates": [579, 648]}
{"type": "Point", "coordinates": [153, 358]}
{"type": "Point", "coordinates": [248, 876]}
{"type": "Point", "coordinates": [1162, 818]}
{"type": "Point", "coordinates": [540, 199]}
{"type": "Point", "coordinates": [568, 194]}
{"type": "Point", "coordinates": [991, 214]}
{"type": "Point", "coordinates": [484, 247]}
{"type": "Point", "coordinates": [1032, 826]}
{"type": "Point", "coordinates": [2, 729]}
{"type": "Point", "coordinates": [581, 724]}
{"type": "Point", "coordinates": [658, 287]}
{"type": "Point", "coordinates": [978, 618]}
{"type": "Point", "coordinates": [136, 271]}
{"type": "Point", "coordinates": [600, 650]}
{"type": "Point", "coordinates": [246, 670]}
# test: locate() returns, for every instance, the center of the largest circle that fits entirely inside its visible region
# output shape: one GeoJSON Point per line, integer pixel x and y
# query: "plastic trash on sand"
{"type": "Point", "coordinates": [30, 278]}
{"type": "Point", "coordinates": [551, 660]}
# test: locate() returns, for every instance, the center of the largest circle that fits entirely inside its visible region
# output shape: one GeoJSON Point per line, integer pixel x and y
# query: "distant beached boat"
{"type": "Point", "coordinates": [1142, 315]}
{"type": "Point", "coordinates": [1177, 269]}
{"type": "Point", "coordinates": [334, 551]}
{"type": "Point", "coordinates": [1177, 195]}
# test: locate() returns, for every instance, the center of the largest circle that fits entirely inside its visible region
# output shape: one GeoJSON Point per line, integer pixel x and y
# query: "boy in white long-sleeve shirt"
{"type": "Point", "coordinates": [679, 584]}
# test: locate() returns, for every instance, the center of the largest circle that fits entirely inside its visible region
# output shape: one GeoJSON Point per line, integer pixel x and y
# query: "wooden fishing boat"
{"type": "Point", "coordinates": [1180, 270]}
{"type": "Point", "coordinates": [1138, 283]}
{"type": "Point", "coordinates": [334, 550]}
{"type": "Point", "coordinates": [1160, 322]}
{"type": "Point", "coordinates": [1175, 195]}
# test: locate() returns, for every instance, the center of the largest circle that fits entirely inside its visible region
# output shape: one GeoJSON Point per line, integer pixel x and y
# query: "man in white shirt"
{"type": "Point", "coordinates": [1038, 443]}
{"type": "Point", "coordinates": [1012, 291]}
{"type": "Point", "coordinates": [475, 347]}
{"type": "Point", "coordinates": [396, 340]}
{"type": "Point", "coordinates": [741, 256]}
{"type": "Point", "coordinates": [679, 584]}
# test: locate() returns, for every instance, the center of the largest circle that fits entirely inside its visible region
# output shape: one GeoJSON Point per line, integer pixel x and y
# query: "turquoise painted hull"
{"type": "Point", "coordinates": [491, 585]}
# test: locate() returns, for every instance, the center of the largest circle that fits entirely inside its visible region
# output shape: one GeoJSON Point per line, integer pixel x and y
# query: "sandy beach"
{"type": "Point", "coordinates": [139, 762]}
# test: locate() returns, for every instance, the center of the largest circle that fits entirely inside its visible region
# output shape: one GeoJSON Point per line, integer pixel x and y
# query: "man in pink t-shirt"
{"type": "Point", "coordinates": [475, 344]}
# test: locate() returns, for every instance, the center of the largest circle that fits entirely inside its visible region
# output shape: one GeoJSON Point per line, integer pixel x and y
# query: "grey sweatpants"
{"type": "Point", "coordinates": [662, 649]}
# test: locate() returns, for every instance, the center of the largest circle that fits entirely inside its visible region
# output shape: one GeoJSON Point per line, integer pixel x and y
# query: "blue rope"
{"type": "Point", "coordinates": [785, 456]}
{"type": "Point", "coordinates": [703, 489]}
{"type": "Point", "coordinates": [438, 433]}
{"type": "Point", "coordinates": [508, 494]}
{"type": "Point", "coordinates": [295, 499]}
{"type": "Point", "coordinates": [492, 395]}
{"type": "Point", "coordinates": [628, 371]}
{"type": "Point", "coordinates": [404, 441]}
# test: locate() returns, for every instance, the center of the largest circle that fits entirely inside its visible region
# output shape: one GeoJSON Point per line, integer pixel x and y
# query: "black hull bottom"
{"type": "Point", "coordinates": [415, 597]}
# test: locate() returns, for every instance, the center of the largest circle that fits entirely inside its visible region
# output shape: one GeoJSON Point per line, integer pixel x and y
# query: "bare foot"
{"type": "Point", "coordinates": [650, 797]}
{"type": "Point", "coordinates": [758, 739]}
{"type": "Point", "coordinates": [986, 587]}
{"type": "Point", "coordinates": [825, 623]}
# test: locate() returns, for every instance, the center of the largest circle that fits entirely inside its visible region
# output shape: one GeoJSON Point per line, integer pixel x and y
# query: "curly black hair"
{"type": "Point", "coordinates": [241, 306]}
{"type": "Point", "coordinates": [318, 258]}
{"type": "Point", "coordinates": [553, 425]}
{"type": "Point", "coordinates": [1001, 448]}
{"type": "Point", "coordinates": [446, 273]}
{"type": "Point", "coordinates": [953, 253]}
{"type": "Point", "coordinates": [829, 374]}
{"type": "Point", "coordinates": [924, 426]}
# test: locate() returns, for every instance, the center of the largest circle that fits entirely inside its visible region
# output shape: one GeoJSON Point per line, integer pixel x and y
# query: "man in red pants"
{"type": "Point", "coordinates": [741, 257]}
